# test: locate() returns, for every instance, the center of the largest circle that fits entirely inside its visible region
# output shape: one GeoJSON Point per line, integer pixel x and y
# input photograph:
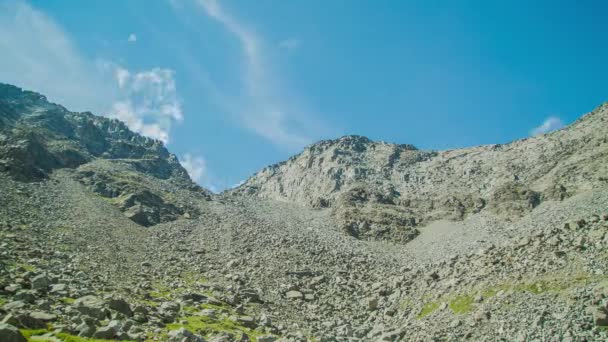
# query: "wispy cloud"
{"type": "Point", "coordinates": [38, 55]}
{"type": "Point", "coordinates": [289, 44]}
{"type": "Point", "coordinates": [196, 166]}
{"type": "Point", "coordinates": [550, 124]}
{"type": "Point", "coordinates": [132, 38]}
{"type": "Point", "coordinates": [264, 108]}
{"type": "Point", "coordinates": [149, 103]}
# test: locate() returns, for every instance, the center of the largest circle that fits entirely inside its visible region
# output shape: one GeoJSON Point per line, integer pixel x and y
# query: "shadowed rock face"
{"type": "Point", "coordinates": [508, 180]}
{"type": "Point", "coordinates": [38, 137]}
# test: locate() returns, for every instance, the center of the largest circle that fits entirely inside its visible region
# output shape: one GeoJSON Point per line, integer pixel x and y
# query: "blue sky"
{"type": "Point", "coordinates": [233, 86]}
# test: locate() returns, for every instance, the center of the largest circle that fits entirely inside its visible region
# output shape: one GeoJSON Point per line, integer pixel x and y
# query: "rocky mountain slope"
{"type": "Point", "coordinates": [131, 171]}
{"type": "Point", "coordinates": [104, 237]}
{"type": "Point", "coordinates": [382, 190]}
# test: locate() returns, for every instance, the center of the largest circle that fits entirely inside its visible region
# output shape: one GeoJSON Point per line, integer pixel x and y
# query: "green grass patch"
{"type": "Point", "coordinates": [28, 333]}
{"type": "Point", "coordinates": [205, 325]}
{"type": "Point", "coordinates": [37, 335]}
{"type": "Point", "coordinates": [71, 338]}
{"type": "Point", "coordinates": [68, 300]}
{"type": "Point", "coordinates": [161, 294]}
{"type": "Point", "coordinates": [27, 267]}
{"type": "Point", "coordinates": [428, 309]}
{"type": "Point", "coordinates": [461, 304]}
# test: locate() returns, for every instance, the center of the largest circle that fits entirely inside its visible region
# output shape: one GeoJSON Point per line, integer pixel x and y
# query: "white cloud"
{"type": "Point", "coordinates": [38, 55]}
{"type": "Point", "coordinates": [122, 75]}
{"type": "Point", "coordinates": [289, 44]}
{"type": "Point", "coordinates": [197, 169]}
{"type": "Point", "coordinates": [132, 38]}
{"type": "Point", "coordinates": [552, 123]}
{"type": "Point", "coordinates": [264, 108]}
{"type": "Point", "coordinates": [150, 104]}
{"type": "Point", "coordinates": [196, 166]}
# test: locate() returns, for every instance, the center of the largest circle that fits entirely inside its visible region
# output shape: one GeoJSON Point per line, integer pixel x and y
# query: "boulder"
{"type": "Point", "coordinates": [40, 282]}
{"type": "Point", "coordinates": [91, 306]}
{"type": "Point", "coordinates": [121, 306]}
{"type": "Point", "coordinates": [9, 333]}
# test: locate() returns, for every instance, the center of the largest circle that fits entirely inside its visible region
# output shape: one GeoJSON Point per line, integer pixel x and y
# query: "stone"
{"type": "Point", "coordinates": [10, 319]}
{"type": "Point", "coordinates": [372, 304]}
{"type": "Point", "coordinates": [12, 288]}
{"type": "Point", "coordinates": [27, 296]}
{"type": "Point", "coordinates": [246, 321]}
{"type": "Point", "coordinates": [91, 306]}
{"type": "Point", "coordinates": [9, 333]}
{"type": "Point", "coordinates": [18, 304]}
{"type": "Point", "coordinates": [600, 317]}
{"type": "Point", "coordinates": [58, 288]}
{"type": "Point", "coordinates": [28, 322]}
{"type": "Point", "coordinates": [209, 313]}
{"type": "Point", "coordinates": [121, 306]}
{"type": "Point", "coordinates": [43, 316]}
{"type": "Point", "coordinates": [85, 330]}
{"type": "Point", "coordinates": [105, 333]}
{"type": "Point", "coordinates": [265, 320]}
{"type": "Point", "coordinates": [294, 295]}
{"type": "Point", "coordinates": [40, 282]}
{"type": "Point", "coordinates": [183, 335]}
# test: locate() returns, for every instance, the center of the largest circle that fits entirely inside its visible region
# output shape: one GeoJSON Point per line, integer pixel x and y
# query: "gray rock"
{"type": "Point", "coordinates": [105, 333]}
{"type": "Point", "coordinates": [40, 282]}
{"type": "Point", "coordinates": [9, 333]}
{"type": "Point", "coordinates": [121, 306]}
{"type": "Point", "coordinates": [55, 288]}
{"type": "Point", "coordinates": [600, 317]}
{"type": "Point", "coordinates": [246, 321]}
{"type": "Point", "coordinates": [294, 295]}
{"type": "Point", "coordinates": [85, 330]}
{"type": "Point", "coordinates": [28, 322]}
{"type": "Point", "coordinates": [43, 316]}
{"type": "Point", "coordinates": [91, 306]}
{"type": "Point", "coordinates": [13, 305]}
{"type": "Point", "coordinates": [184, 335]}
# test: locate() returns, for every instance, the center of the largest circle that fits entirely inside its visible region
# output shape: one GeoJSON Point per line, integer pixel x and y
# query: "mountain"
{"type": "Point", "coordinates": [130, 170]}
{"type": "Point", "coordinates": [356, 176]}
{"type": "Point", "coordinates": [104, 236]}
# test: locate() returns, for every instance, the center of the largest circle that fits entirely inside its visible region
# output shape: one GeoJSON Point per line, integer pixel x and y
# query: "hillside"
{"type": "Point", "coordinates": [105, 237]}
